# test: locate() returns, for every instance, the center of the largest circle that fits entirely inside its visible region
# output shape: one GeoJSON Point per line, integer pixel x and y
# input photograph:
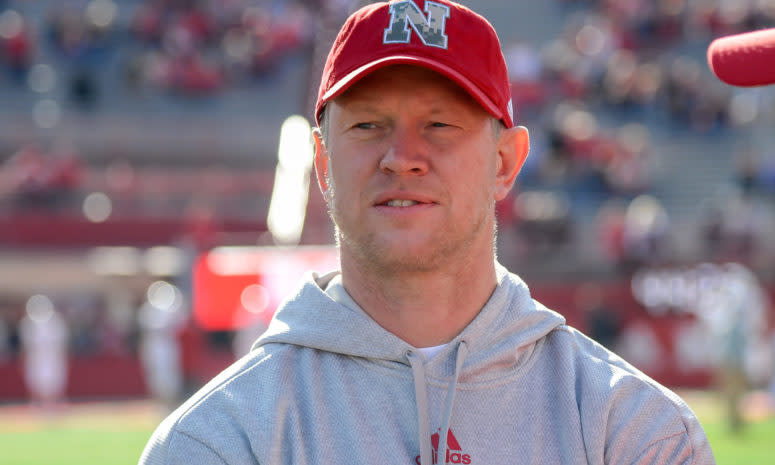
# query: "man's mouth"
{"type": "Point", "coordinates": [401, 203]}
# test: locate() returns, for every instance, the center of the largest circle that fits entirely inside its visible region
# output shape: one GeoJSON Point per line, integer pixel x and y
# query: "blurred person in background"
{"type": "Point", "coordinates": [423, 348]}
{"type": "Point", "coordinates": [5, 337]}
{"type": "Point", "coordinates": [603, 323]}
{"type": "Point", "coordinates": [160, 320]}
{"type": "Point", "coordinates": [27, 168]}
{"type": "Point", "coordinates": [771, 387]}
{"type": "Point", "coordinates": [645, 234]}
{"type": "Point", "coordinates": [18, 49]}
{"type": "Point", "coordinates": [735, 315]}
{"type": "Point", "coordinates": [44, 340]}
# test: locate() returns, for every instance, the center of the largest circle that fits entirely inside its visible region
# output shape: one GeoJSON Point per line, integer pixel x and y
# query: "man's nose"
{"type": "Point", "coordinates": [407, 154]}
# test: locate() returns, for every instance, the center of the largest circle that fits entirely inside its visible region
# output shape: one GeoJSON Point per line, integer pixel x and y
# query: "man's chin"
{"type": "Point", "coordinates": [404, 257]}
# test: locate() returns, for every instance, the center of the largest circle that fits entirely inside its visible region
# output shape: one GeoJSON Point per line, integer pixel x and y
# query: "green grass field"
{"type": "Point", "coordinates": [114, 434]}
{"type": "Point", "coordinates": [753, 445]}
{"type": "Point", "coordinates": [103, 433]}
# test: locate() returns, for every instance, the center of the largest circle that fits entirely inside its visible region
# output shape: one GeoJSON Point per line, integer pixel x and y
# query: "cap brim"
{"type": "Point", "coordinates": [359, 73]}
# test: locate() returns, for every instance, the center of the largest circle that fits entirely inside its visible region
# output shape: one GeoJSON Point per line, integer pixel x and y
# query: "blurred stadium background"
{"type": "Point", "coordinates": [139, 146]}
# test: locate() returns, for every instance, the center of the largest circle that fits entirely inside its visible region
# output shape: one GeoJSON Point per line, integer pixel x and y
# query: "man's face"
{"type": "Point", "coordinates": [411, 169]}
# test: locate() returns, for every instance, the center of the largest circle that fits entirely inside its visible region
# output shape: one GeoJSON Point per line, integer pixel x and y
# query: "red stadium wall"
{"type": "Point", "coordinates": [87, 377]}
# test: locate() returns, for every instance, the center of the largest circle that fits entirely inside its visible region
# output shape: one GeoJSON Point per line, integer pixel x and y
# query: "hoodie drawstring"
{"type": "Point", "coordinates": [462, 350]}
{"type": "Point", "coordinates": [421, 394]}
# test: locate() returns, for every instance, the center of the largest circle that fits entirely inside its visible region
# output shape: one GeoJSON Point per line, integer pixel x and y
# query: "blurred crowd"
{"type": "Point", "coordinates": [45, 178]}
{"type": "Point", "coordinates": [38, 179]}
{"type": "Point", "coordinates": [632, 56]}
{"type": "Point", "coordinates": [628, 60]}
{"type": "Point", "coordinates": [198, 47]}
{"type": "Point", "coordinates": [589, 97]}
{"type": "Point", "coordinates": [585, 96]}
{"type": "Point", "coordinates": [595, 93]}
{"type": "Point", "coordinates": [189, 47]}
{"type": "Point", "coordinates": [624, 54]}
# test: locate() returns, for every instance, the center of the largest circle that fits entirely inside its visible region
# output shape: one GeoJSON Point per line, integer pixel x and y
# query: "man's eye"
{"type": "Point", "coordinates": [439, 124]}
{"type": "Point", "coordinates": [365, 126]}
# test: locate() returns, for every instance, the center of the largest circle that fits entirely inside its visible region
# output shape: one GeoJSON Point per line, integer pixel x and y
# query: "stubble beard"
{"type": "Point", "coordinates": [370, 254]}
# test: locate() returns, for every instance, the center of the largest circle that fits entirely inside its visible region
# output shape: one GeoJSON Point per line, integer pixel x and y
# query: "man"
{"type": "Point", "coordinates": [423, 349]}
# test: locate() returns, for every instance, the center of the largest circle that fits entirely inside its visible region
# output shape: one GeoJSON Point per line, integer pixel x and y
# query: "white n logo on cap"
{"type": "Point", "coordinates": [431, 29]}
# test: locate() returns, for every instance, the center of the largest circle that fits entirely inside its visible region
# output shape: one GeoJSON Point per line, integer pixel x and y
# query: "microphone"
{"type": "Point", "coordinates": [744, 60]}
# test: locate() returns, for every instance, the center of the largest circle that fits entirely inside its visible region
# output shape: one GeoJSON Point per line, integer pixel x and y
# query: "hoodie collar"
{"type": "Point", "coordinates": [311, 318]}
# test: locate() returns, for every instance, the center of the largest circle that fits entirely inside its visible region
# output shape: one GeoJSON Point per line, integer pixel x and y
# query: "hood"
{"type": "Point", "coordinates": [311, 318]}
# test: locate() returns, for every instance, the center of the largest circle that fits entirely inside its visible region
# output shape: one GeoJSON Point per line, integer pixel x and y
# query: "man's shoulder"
{"type": "Point", "coordinates": [258, 372]}
{"type": "Point", "coordinates": [600, 368]}
{"type": "Point", "coordinates": [223, 410]}
{"type": "Point", "coordinates": [610, 391]}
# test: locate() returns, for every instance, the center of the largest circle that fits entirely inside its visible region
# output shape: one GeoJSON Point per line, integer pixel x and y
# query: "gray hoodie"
{"type": "Point", "coordinates": [327, 385]}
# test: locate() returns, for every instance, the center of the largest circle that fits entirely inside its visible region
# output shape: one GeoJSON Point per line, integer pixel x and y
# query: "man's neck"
{"type": "Point", "coordinates": [425, 308]}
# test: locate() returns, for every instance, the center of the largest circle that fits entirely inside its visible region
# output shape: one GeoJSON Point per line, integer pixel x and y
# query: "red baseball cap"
{"type": "Point", "coordinates": [440, 35]}
{"type": "Point", "coordinates": [744, 60]}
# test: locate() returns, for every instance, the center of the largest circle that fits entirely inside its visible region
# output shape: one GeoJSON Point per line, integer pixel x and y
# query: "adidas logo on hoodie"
{"type": "Point", "coordinates": [454, 454]}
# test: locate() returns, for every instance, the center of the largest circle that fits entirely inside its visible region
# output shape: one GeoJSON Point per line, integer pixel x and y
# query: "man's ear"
{"type": "Point", "coordinates": [321, 163]}
{"type": "Point", "coordinates": [513, 147]}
